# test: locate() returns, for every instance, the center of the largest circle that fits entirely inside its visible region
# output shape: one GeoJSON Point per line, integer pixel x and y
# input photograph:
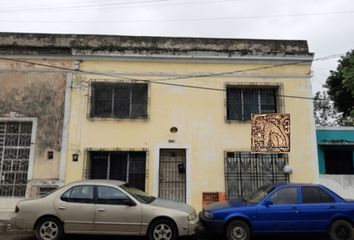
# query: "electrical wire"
{"type": "Point", "coordinates": [160, 81]}
{"type": "Point", "coordinates": [184, 19]}
{"type": "Point", "coordinates": [233, 18]}
{"type": "Point", "coordinates": [111, 5]}
{"type": "Point", "coordinates": [74, 5]}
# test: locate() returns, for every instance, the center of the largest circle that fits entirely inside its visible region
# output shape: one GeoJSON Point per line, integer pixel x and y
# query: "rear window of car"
{"type": "Point", "coordinates": [315, 195]}
{"type": "Point", "coordinates": [81, 194]}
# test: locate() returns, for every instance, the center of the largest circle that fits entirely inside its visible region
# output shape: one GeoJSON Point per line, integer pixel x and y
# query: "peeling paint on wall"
{"type": "Point", "coordinates": [37, 98]}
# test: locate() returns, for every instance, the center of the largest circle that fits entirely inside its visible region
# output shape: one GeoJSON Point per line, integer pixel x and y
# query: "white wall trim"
{"type": "Point", "coordinates": [335, 128]}
{"type": "Point", "coordinates": [65, 135]}
{"type": "Point", "coordinates": [156, 160]}
{"type": "Point", "coordinates": [244, 74]}
{"type": "Point", "coordinates": [188, 58]}
{"type": "Point", "coordinates": [32, 149]}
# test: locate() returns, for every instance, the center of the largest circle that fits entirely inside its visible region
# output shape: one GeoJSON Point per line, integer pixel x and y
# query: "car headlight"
{"type": "Point", "coordinates": [192, 216]}
{"type": "Point", "coordinates": [208, 214]}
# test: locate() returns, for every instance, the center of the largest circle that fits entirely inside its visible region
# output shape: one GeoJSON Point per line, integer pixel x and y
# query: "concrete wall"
{"type": "Point", "coordinates": [198, 114]}
{"type": "Point", "coordinates": [343, 185]}
{"type": "Point", "coordinates": [38, 93]}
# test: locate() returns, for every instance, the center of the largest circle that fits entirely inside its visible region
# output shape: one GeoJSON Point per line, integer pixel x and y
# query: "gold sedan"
{"type": "Point", "coordinates": [105, 207]}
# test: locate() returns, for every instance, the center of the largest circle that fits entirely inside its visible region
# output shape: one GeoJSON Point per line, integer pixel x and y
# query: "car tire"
{"type": "Point", "coordinates": [162, 229]}
{"type": "Point", "coordinates": [238, 230]}
{"type": "Point", "coordinates": [49, 228]}
{"type": "Point", "coordinates": [341, 230]}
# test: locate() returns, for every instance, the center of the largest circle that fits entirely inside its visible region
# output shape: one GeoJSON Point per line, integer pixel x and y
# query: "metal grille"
{"type": "Point", "coordinates": [172, 176]}
{"type": "Point", "coordinates": [15, 143]}
{"type": "Point", "coordinates": [129, 166]}
{"type": "Point", "coordinates": [119, 100]}
{"type": "Point", "coordinates": [242, 101]}
{"type": "Point", "coordinates": [245, 171]}
{"type": "Point", "coordinates": [44, 190]}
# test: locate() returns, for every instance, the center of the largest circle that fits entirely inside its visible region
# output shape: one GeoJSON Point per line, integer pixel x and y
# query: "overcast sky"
{"type": "Point", "coordinates": [327, 25]}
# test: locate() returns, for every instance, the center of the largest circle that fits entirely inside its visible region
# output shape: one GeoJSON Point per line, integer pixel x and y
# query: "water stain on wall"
{"type": "Point", "coordinates": [31, 96]}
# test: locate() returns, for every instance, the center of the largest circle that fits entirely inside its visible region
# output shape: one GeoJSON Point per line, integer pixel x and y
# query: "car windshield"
{"type": "Point", "coordinates": [138, 194]}
{"type": "Point", "coordinates": [259, 194]}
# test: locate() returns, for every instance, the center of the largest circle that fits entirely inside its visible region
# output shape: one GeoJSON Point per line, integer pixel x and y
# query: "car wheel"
{"type": "Point", "coordinates": [49, 229]}
{"type": "Point", "coordinates": [162, 229]}
{"type": "Point", "coordinates": [238, 230]}
{"type": "Point", "coordinates": [341, 230]}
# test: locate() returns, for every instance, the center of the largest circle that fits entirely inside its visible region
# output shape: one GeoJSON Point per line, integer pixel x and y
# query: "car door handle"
{"type": "Point", "coordinates": [61, 208]}
{"type": "Point", "coordinates": [332, 207]}
{"type": "Point", "coordinates": [295, 209]}
{"type": "Point", "coordinates": [100, 210]}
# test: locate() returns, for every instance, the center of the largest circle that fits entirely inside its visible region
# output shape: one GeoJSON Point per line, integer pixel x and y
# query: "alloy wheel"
{"type": "Point", "coordinates": [162, 231]}
{"type": "Point", "coordinates": [49, 230]}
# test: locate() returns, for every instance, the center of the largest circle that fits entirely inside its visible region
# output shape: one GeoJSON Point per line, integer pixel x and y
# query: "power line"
{"type": "Point", "coordinates": [250, 69]}
{"type": "Point", "coordinates": [189, 19]}
{"type": "Point", "coordinates": [160, 81]}
{"type": "Point", "coordinates": [114, 4]}
{"type": "Point", "coordinates": [73, 5]}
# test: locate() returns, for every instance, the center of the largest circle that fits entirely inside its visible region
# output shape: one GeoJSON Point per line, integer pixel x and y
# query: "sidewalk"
{"type": "Point", "coordinates": [5, 220]}
{"type": "Point", "coordinates": [17, 235]}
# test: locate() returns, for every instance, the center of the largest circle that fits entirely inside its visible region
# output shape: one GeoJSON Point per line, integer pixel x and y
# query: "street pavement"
{"type": "Point", "coordinates": [201, 235]}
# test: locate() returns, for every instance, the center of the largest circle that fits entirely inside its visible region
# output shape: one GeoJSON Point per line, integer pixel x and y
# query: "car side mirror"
{"type": "Point", "coordinates": [129, 202]}
{"type": "Point", "coordinates": [267, 203]}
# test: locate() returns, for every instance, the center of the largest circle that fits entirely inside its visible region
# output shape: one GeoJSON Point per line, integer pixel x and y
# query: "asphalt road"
{"type": "Point", "coordinates": [201, 235]}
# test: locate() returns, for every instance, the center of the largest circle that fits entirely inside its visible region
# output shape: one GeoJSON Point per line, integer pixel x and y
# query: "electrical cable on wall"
{"type": "Point", "coordinates": [161, 80]}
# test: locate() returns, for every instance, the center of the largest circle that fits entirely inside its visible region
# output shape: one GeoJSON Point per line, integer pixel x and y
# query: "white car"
{"type": "Point", "coordinates": [105, 207]}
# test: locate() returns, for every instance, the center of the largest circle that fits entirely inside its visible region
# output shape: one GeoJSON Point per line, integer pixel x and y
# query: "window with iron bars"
{"type": "Point", "coordinates": [246, 171]}
{"type": "Point", "coordinates": [45, 190]}
{"type": "Point", "coordinates": [128, 166]}
{"type": "Point", "coordinates": [242, 101]}
{"type": "Point", "coordinates": [119, 100]}
{"type": "Point", "coordinates": [15, 143]}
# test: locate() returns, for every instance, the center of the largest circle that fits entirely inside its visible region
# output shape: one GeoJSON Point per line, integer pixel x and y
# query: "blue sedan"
{"type": "Point", "coordinates": [282, 208]}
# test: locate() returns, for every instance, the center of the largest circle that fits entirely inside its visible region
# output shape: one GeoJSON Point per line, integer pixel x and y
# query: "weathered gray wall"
{"type": "Point", "coordinates": [18, 43]}
{"type": "Point", "coordinates": [341, 184]}
{"type": "Point", "coordinates": [33, 91]}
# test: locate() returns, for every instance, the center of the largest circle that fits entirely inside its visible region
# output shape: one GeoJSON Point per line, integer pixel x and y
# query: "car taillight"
{"type": "Point", "coordinates": [17, 209]}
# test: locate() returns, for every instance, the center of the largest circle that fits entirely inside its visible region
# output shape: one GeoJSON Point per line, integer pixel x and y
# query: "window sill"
{"type": "Point", "coordinates": [118, 119]}
{"type": "Point", "coordinates": [238, 121]}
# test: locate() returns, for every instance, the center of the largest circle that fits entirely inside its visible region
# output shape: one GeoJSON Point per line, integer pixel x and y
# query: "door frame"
{"type": "Point", "coordinates": [156, 163]}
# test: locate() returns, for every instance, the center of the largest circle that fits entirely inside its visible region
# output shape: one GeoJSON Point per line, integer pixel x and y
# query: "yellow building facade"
{"type": "Point", "coordinates": [171, 116]}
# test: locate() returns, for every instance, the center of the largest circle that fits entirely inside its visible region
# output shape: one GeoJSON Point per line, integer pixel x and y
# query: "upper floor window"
{"type": "Point", "coordinates": [119, 100]}
{"type": "Point", "coordinates": [242, 101]}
